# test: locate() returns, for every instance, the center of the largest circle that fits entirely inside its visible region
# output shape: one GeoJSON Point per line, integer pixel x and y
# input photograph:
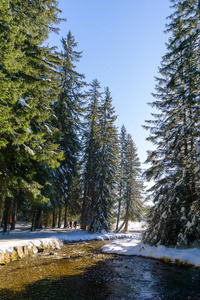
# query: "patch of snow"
{"type": "Point", "coordinates": [28, 130]}
{"type": "Point", "coordinates": [136, 226]}
{"type": "Point", "coordinates": [23, 102]}
{"type": "Point", "coordinates": [48, 129]}
{"type": "Point", "coordinates": [29, 150]}
{"type": "Point", "coordinates": [188, 225]}
{"type": "Point", "coordinates": [182, 209]}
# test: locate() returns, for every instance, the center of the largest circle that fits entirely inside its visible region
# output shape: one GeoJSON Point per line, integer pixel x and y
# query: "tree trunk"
{"type": "Point", "coordinates": [118, 214]}
{"type": "Point", "coordinates": [126, 224]}
{"type": "Point", "coordinates": [33, 227]}
{"type": "Point", "coordinates": [7, 211]}
{"type": "Point", "coordinates": [54, 218]}
{"type": "Point", "coordinates": [119, 209]}
{"type": "Point", "coordinates": [14, 212]}
{"type": "Point", "coordinates": [59, 217]}
{"type": "Point", "coordinates": [33, 219]}
{"type": "Point", "coordinates": [40, 216]}
{"type": "Point", "coordinates": [47, 221]}
{"type": "Point", "coordinates": [121, 227]}
{"type": "Point", "coordinates": [83, 213]}
{"type": "Point", "coordinates": [2, 202]}
{"type": "Point", "coordinates": [66, 218]}
{"type": "Point", "coordinates": [2, 199]}
{"type": "Point", "coordinates": [127, 212]}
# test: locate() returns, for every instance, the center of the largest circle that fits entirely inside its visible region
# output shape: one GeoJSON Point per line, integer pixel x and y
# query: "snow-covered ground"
{"type": "Point", "coordinates": [135, 247]}
{"type": "Point", "coordinates": [126, 244]}
{"type": "Point", "coordinates": [136, 226]}
{"type": "Point", "coordinates": [22, 236]}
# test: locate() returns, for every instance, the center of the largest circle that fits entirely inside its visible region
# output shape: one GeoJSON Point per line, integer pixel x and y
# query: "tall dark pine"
{"type": "Point", "coordinates": [106, 171]}
{"type": "Point", "coordinates": [91, 141]}
{"type": "Point", "coordinates": [174, 132]}
{"type": "Point", "coordinates": [27, 74]}
{"type": "Point", "coordinates": [68, 110]}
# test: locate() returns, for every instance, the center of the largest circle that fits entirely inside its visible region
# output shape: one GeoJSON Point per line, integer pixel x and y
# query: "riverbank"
{"type": "Point", "coordinates": [185, 257]}
{"type": "Point", "coordinates": [22, 241]}
{"type": "Point", "coordinates": [123, 244]}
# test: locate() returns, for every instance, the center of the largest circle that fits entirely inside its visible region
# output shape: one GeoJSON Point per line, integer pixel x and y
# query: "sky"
{"type": "Point", "coordinates": [122, 43]}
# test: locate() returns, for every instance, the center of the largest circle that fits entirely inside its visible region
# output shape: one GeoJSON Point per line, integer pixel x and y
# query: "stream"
{"type": "Point", "coordinates": [82, 271]}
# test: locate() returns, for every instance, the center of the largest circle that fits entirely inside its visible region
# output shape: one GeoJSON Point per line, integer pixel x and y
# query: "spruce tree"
{"type": "Point", "coordinates": [175, 218]}
{"type": "Point", "coordinates": [121, 172]}
{"type": "Point", "coordinates": [68, 111]}
{"type": "Point", "coordinates": [106, 172]}
{"type": "Point", "coordinates": [91, 145]}
{"type": "Point", "coordinates": [133, 186]}
{"type": "Point", "coordinates": [130, 183]}
{"type": "Point", "coordinates": [29, 83]}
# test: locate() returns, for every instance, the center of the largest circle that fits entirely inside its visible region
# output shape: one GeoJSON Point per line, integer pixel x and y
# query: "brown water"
{"type": "Point", "coordinates": [82, 271]}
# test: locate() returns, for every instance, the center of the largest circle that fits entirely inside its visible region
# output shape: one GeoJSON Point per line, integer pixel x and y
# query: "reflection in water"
{"type": "Point", "coordinates": [81, 271]}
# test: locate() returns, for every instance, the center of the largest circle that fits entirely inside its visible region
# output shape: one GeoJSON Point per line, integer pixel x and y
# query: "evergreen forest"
{"type": "Point", "coordinates": [62, 157]}
{"type": "Point", "coordinates": [61, 154]}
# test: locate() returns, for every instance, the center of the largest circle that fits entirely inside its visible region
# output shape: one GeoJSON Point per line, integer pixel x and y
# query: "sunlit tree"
{"type": "Point", "coordinates": [174, 131]}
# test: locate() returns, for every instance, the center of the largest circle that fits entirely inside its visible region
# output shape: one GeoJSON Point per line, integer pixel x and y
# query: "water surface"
{"type": "Point", "coordinates": [82, 271]}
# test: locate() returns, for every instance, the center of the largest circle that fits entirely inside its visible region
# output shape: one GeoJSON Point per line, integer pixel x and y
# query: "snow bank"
{"type": "Point", "coordinates": [134, 247]}
{"type": "Point", "coordinates": [22, 236]}
{"type": "Point", "coordinates": [79, 235]}
{"type": "Point", "coordinates": [8, 247]}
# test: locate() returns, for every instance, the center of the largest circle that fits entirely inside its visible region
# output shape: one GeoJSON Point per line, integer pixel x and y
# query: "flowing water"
{"type": "Point", "coordinates": [82, 271]}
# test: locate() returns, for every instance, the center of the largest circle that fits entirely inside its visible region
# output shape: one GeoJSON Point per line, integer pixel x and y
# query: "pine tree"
{"type": "Point", "coordinates": [91, 140]}
{"type": "Point", "coordinates": [28, 73]}
{"type": "Point", "coordinates": [68, 110]}
{"type": "Point", "coordinates": [132, 196]}
{"type": "Point", "coordinates": [174, 131]}
{"type": "Point", "coordinates": [106, 172]}
{"type": "Point", "coordinates": [121, 171]}
{"type": "Point", "coordinates": [130, 184]}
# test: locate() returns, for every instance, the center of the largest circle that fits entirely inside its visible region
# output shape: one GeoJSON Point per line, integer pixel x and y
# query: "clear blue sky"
{"type": "Point", "coordinates": [122, 43]}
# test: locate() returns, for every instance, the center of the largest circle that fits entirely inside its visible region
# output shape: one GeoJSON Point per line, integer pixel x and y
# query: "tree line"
{"type": "Point", "coordinates": [61, 153]}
